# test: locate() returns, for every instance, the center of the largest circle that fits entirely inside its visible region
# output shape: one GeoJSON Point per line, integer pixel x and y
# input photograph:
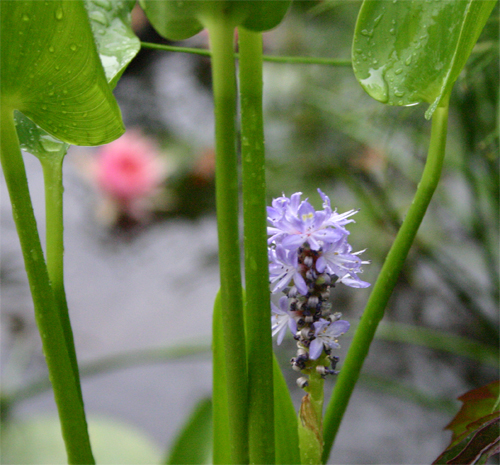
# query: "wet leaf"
{"type": "Point", "coordinates": [116, 42]}
{"type": "Point", "coordinates": [53, 78]}
{"type": "Point", "coordinates": [407, 52]}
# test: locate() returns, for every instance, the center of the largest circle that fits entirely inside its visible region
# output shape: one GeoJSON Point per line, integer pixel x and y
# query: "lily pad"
{"type": "Point", "coordinates": [38, 441]}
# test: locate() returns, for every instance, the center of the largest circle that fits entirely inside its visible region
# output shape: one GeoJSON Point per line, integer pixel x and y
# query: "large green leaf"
{"type": "Point", "coordinates": [117, 45]}
{"type": "Point", "coordinates": [179, 20]}
{"type": "Point", "coordinates": [51, 71]}
{"type": "Point", "coordinates": [411, 51]}
{"type": "Point", "coordinates": [193, 444]}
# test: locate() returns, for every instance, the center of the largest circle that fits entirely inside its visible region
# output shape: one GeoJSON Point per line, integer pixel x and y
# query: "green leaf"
{"type": "Point", "coordinates": [51, 72]}
{"type": "Point", "coordinates": [193, 444]}
{"type": "Point", "coordinates": [286, 433]}
{"type": "Point", "coordinates": [407, 52]}
{"type": "Point", "coordinates": [179, 20]}
{"type": "Point", "coordinates": [116, 42]}
{"type": "Point", "coordinates": [222, 443]}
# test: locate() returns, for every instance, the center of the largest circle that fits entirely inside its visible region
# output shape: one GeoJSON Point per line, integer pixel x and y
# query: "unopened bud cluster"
{"type": "Point", "coordinates": [308, 255]}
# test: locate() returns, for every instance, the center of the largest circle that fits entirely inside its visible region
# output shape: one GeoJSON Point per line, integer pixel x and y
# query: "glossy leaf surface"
{"type": "Point", "coordinates": [407, 52]}
{"type": "Point", "coordinates": [51, 72]}
{"type": "Point", "coordinates": [193, 444]}
{"type": "Point", "coordinates": [179, 20]}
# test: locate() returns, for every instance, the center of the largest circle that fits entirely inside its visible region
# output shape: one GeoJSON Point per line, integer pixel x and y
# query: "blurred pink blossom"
{"type": "Point", "coordinates": [128, 171]}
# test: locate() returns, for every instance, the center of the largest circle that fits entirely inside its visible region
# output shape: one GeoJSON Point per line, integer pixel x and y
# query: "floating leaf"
{"type": "Point", "coordinates": [51, 72]}
{"type": "Point", "coordinates": [407, 52]}
{"type": "Point", "coordinates": [476, 428]}
{"type": "Point", "coordinates": [38, 441]}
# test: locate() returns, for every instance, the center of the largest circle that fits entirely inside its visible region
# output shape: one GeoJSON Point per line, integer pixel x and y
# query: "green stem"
{"type": "Point", "coordinates": [52, 174]}
{"type": "Point", "coordinates": [310, 420]}
{"type": "Point", "coordinates": [257, 303]}
{"type": "Point", "coordinates": [221, 33]}
{"type": "Point", "coordinates": [67, 396]}
{"type": "Point", "coordinates": [269, 58]}
{"type": "Point", "coordinates": [386, 281]}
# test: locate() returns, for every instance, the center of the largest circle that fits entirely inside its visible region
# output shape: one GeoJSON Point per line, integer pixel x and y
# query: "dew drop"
{"type": "Point", "coordinates": [73, 47]}
{"type": "Point", "coordinates": [398, 71]}
{"type": "Point", "coordinates": [408, 61]}
{"type": "Point", "coordinates": [399, 93]}
{"type": "Point", "coordinates": [51, 49]}
{"type": "Point", "coordinates": [49, 143]}
{"type": "Point", "coordinates": [377, 20]}
{"type": "Point", "coordinates": [392, 31]}
{"type": "Point", "coordinates": [59, 14]}
{"type": "Point", "coordinates": [51, 93]}
{"type": "Point", "coordinates": [26, 17]}
{"type": "Point", "coordinates": [376, 85]}
{"type": "Point", "coordinates": [44, 107]}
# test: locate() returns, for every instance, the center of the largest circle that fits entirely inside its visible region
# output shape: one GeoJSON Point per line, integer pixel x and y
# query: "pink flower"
{"type": "Point", "coordinates": [129, 169]}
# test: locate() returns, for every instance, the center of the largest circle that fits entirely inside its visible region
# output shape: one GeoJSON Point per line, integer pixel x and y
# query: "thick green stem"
{"type": "Point", "coordinates": [386, 281]}
{"type": "Point", "coordinates": [310, 420]}
{"type": "Point", "coordinates": [257, 303]}
{"type": "Point", "coordinates": [67, 396]}
{"type": "Point", "coordinates": [221, 33]}
{"type": "Point", "coordinates": [52, 174]}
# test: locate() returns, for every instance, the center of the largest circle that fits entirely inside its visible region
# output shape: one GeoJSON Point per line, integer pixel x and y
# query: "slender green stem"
{"type": "Point", "coordinates": [269, 58]}
{"type": "Point", "coordinates": [52, 173]}
{"type": "Point", "coordinates": [221, 33]}
{"type": "Point", "coordinates": [67, 397]}
{"type": "Point", "coordinates": [257, 306]}
{"type": "Point", "coordinates": [386, 281]}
